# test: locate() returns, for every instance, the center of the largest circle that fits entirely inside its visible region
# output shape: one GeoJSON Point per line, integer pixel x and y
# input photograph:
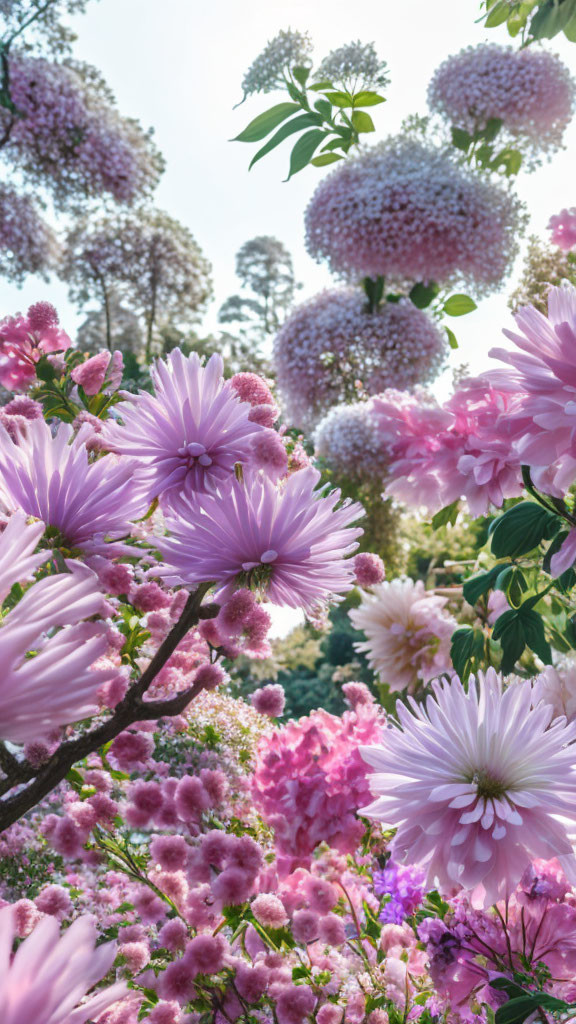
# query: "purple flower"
{"type": "Point", "coordinates": [290, 542]}
{"type": "Point", "coordinates": [191, 432]}
{"type": "Point", "coordinates": [405, 884]}
{"type": "Point", "coordinates": [52, 478]}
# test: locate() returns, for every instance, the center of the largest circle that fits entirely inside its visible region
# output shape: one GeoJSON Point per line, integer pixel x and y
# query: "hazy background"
{"type": "Point", "coordinates": [178, 65]}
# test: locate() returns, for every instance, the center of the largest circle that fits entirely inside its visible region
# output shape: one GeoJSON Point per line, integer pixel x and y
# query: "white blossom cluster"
{"type": "Point", "coordinates": [287, 50]}
{"type": "Point", "coordinates": [355, 66]}
{"type": "Point", "coordinates": [531, 91]}
{"type": "Point", "coordinates": [407, 211]}
{"type": "Point", "coordinates": [331, 347]}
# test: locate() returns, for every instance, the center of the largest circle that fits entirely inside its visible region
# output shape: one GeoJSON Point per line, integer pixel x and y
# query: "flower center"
{"type": "Point", "coordinates": [487, 786]}
{"type": "Point", "coordinates": [193, 453]}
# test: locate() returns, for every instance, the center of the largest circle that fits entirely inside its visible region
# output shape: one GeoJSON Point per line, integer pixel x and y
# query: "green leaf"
{"type": "Point", "coordinates": [510, 160]}
{"type": "Point", "coordinates": [324, 108]}
{"type": "Point", "coordinates": [262, 125]}
{"type": "Point", "coordinates": [461, 139]}
{"type": "Point", "coordinates": [521, 529]}
{"type": "Point", "coordinates": [362, 121]}
{"type": "Point", "coordinates": [304, 149]}
{"type": "Point", "coordinates": [44, 370]}
{"type": "Point", "coordinates": [551, 18]}
{"type": "Point", "coordinates": [368, 99]}
{"type": "Point", "coordinates": [423, 294]}
{"type": "Point", "coordinates": [452, 339]}
{"type": "Point", "coordinates": [446, 516]}
{"type": "Point", "coordinates": [509, 630]}
{"type": "Point", "coordinates": [467, 650]}
{"type": "Point", "coordinates": [301, 75]}
{"type": "Point", "coordinates": [459, 304]}
{"type": "Point", "coordinates": [297, 124]}
{"type": "Point", "coordinates": [321, 86]}
{"type": "Point", "coordinates": [533, 626]}
{"type": "Point", "coordinates": [491, 129]}
{"type": "Point", "coordinates": [498, 14]}
{"type": "Point", "coordinates": [570, 29]}
{"type": "Point", "coordinates": [326, 158]}
{"type": "Point", "coordinates": [340, 99]}
{"type": "Point", "coordinates": [516, 1010]}
{"type": "Point", "coordinates": [478, 585]}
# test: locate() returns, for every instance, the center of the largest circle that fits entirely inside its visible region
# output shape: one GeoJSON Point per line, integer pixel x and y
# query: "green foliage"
{"type": "Point", "coordinates": [522, 528]}
{"type": "Point", "coordinates": [333, 123]}
{"type": "Point", "coordinates": [468, 651]}
{"type": "Point", "coordinates": [479, 146]}
{"type": "Point", "coordinates": [459, 305]}
{"type": "Point", "coordinates": [533, 19]}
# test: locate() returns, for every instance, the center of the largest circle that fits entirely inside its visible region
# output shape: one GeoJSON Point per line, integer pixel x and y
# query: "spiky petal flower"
{"type": "Point", "coordinates": [291, 541]}
{"type": "Point", "coordinates": [52, 478]}
{"type": "Point", "coordinates": [58, 685]}
{"type": "Point", "coordinates": [478, 784]}
{"type": "Point", "coordinates": [191, 432]}
{"type": "Point", "coordinates": [50, 974]}
{"type": "Point", "coordinates": [17, 558]}
{"type": "Point", "coordinates": [407, 633]}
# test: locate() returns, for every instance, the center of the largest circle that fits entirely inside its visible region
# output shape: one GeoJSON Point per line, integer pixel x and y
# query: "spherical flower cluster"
{"type": "Point", "coordinates": [348, 438]}
{"type": "Point", "coordinates": [86, 504]}
{"type": "Point", "coordinates": [369, 569]}
{"type": "Point", "coordinates": [530, 90]}
{"type": "Point", "coordinates": [406, 211]}
{"type": "Point", "coordinates": [191, 432]}
{"type": "Point", "coordinates": [436, 455]}
{"type": "Point", "coordinates": [354, 66]}
{"type": "Point", "coordinates": [285, 51]}
{"type": "Point", "coordinates": [28, 245]}
{"type": "Point", "coordinates": [563, 228]}
{"type": "Point", "coordinates": [68, 133]}
{"type": "Point", "coordinates": [407, 631]}
{"type": "Point", "coordinates": [309, 780]}
{"type": "Point", "coordinates": [290, 542]}
{"type": "Point", "coordinates": [50, 974]}
{"type": "Point", "coordinates": [478, 783]}
{"type": "Point", "coordinates": [332, 344]}
{"type": "Point", "coordinates": [23, 342]}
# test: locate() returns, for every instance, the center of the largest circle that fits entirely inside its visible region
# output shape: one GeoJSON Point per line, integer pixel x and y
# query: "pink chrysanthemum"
{"type": "Point", "coordinates": [407, 633]}
{"type": "Point", "coordinates": [17, 559]}
{"type": "Point", "coordinates": [58, 685]}
{"type": "Point", "coordinates": [406, 211]}
{"type": "Point", "coordinates": [49, 975]}
{"type": "Point", "coordinates": [191, 432]}
{"type": "Point", "coordinates": [52, 478]}
{"type": "Point", "coordinates": [291, 541]}
{"type": "Point", "coordinates": [531, 91]}
{"type": "Point", "coordinates": [478, 783]}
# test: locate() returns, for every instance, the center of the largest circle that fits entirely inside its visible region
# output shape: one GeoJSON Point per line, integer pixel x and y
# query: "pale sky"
{"type": "Point", "coordinates": [177, 65]}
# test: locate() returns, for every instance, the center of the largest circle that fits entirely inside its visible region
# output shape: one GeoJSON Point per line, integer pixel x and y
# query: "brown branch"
{"type": "Point", "coordinates": [133, 708]}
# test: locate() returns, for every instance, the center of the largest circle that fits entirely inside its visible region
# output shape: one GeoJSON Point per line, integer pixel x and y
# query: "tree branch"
{"type": "Point", "coordinates": [133, 708]}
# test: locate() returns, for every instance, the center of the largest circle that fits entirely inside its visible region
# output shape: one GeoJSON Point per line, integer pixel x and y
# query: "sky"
{"type": "Point", "coordinates": [178, 66]}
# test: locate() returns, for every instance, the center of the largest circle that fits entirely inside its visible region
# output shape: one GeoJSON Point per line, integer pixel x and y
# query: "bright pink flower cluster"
{"type": "Point", "coordinates": [24, 340]}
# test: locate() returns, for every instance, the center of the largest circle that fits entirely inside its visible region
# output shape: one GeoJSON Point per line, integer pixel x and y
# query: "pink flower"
{"type": "Point", "coordinates": [59, 685]}
{"type": "Point", "coordinates": [251, 981]}
{"type": "Point", "coordinates": [206, 953]}
{"type": "Point", "coordinates": [49, 975]}
{"type": "Point", "coordinates": [24, 340]}
{"type": "Point", "coordinates": [233, 886]}
{"type": "Point", "coordinates": [369, 569]}
{"type": "Point", "coordinates": [91, 374]}
{"type": "Point", "coordinates": [170, 852]}
{"type": "Point", "coordinates": [305, 926]}
{"type": "Point", "coordinates": [563, 228]}
{"type": "Point", "coordinates": [17, 561]}
{"type": "Point", "coordinates": [290, 542]}
{"type": "Point", "coordinates": [407, 633]}
{"type": "Point", "coordinates": [331, 930]}
{"type": "Point", "coordinates": [191, 432]}
{"type": "Point", "coordinates": [52, 478]}
{"type": "Point", "coordinates": [269, 700]}
{"type": "Point", "coordinates": [252, 389]}
{"type": "Point", "coordinates": [477, 783]}
{"type": "Point", "coordinates": [269, 910]}
{"type": "Point", "coordinates": [191, 798]}
{"type": "Point", "coordinates": [294, 1004]}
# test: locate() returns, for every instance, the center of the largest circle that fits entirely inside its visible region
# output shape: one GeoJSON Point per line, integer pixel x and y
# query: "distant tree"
{"type": "Point", "coordinates": [264, 267]}
{"type": "Point", "coordinates": [127, 333]}
{"type": "Point", "coordinates": [147, 259]}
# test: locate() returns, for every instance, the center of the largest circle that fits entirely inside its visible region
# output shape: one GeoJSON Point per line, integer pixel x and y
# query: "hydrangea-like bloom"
{"type": "Point", "coordinates": [28, 245]}
{"type": "Point", "coordinates": [543, 372]}
{"type": "Point", "coordinates": [331, 344]}
{"type": "Point", "coordinates": [24, 340]}
{"type": "Point", "coordinates": [58, 685]}
{"type": "Point", "coordinates": [407, 633]}
{"type": "Point", "coordinates": [290, 541]}
{"type": "Point", "coordinates": [478, 783]}
{"type": "Point", "coordinates": [355, 66]}
{"type": "Point", "coordinates": [51, 477]}
{"type": "Point", "coordinates": [563, 228]}
{"type": "Point", "coordinates": [285, 51]}
{"type": "Point", "coordinates": [50, 974]}
{"type": "Point", "coordinates": [531, 91]}
{"type": "Point", "coordinates": [310, 779]}
{"type": "Point", "coordinates": [437, 455]}
{"type": "Point", "coordinates": [70, 135]}
{"type": "Point", "coordinates": [406, 211]}
{"type": "Point", "coordinates": [191, 432]}
{"type": "Point", "coordinates": [348, 438]}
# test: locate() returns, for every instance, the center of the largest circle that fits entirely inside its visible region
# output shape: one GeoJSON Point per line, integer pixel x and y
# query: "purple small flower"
{"type": "Point", "coordinates": [406, 887]}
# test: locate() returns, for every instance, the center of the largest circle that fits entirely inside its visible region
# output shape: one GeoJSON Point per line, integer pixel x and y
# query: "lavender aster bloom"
{"type": "Point", "coordinates": [290, 541]}
{"type": "Point", "coordinates": [51, 477]}
{"type": "Point", "coordinates": [405, 884]}
{"type": "Point", "coordinates": [17, 560]}
{"type": "Point", "coordinates": [191, 432]}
